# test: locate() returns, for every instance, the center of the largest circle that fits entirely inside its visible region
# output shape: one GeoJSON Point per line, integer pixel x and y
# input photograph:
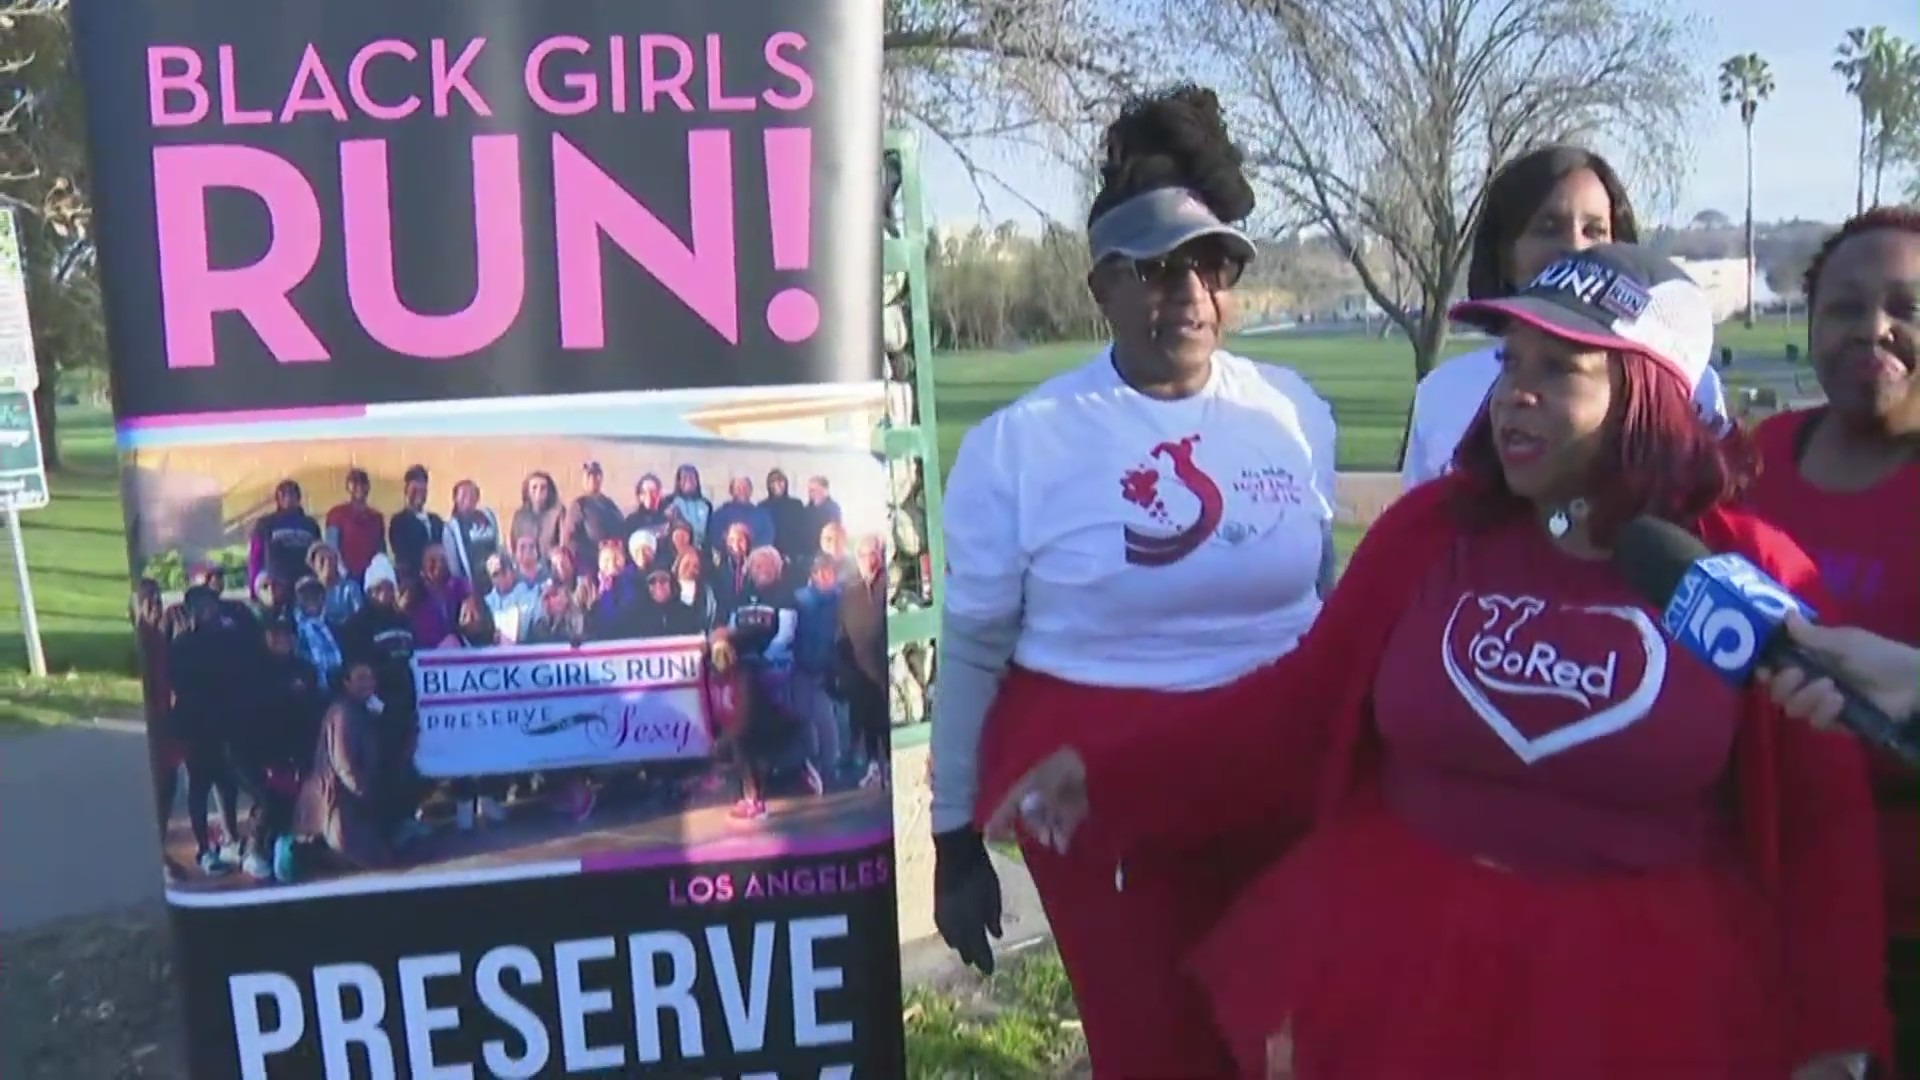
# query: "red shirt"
{"type": "Point", "coordinates": [1553, 729]}
{"type": "Point", "coordinates": [1296, 739]}
{"type": "Point", "coordinates": [1863, 543]}
{"type": "Point", "coordinates": [363, 534]}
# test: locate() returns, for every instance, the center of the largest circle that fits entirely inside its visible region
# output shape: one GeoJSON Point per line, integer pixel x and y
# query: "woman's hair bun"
{"type": "Point", "coordinates": [1176, 137]}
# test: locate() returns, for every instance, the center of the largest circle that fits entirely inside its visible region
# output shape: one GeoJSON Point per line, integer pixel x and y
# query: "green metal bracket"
{"type": "Point", "coordinates": [905, 252]}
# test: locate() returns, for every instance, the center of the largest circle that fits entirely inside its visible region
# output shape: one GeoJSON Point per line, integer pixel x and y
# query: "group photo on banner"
{"type": "Point", "coordinates": [494, 393]}
{"type": "Point", "coordinates": [498, 684]}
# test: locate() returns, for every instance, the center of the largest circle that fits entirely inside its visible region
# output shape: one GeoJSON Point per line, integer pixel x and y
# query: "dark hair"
{"type": "Point", "coordinates": [1896, 218]}
{"type": "Point", "coordinates": [526, 491]}
{"type": "Point", "coordinates": [1658, 457]}
{"type": "Point", "coordinates": [489, 630]}
{"type": "Point", "coordinates": [415, 472]}
{"type": "Point", "coordinates": [1514, 195]}
{"type": "Point", "coordinates": [1175, 137]}
{"type": "Point", "coordinates": [288, 487]}
{"type": "Point", "coordinates": [357, 475]}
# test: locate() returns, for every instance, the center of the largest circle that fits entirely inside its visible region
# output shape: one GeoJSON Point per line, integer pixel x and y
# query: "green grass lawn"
{"type": "Point", "coordinates": [1018, 1024]}
{"type": "Point", "coordinates": [1368, 380]}
{"type": "Point", "coordinates": [78, 553]}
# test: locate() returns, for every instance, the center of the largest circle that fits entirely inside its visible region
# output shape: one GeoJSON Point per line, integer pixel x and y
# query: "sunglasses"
{"type": "Point", "coordinates": [1216, 267]}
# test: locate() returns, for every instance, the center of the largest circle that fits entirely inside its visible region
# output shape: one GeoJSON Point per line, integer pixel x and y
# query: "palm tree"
{"type": "Point", "coordinates": [1745, 81]}
{"type": "Point", "coordinates": [1896, 105]}
{"type": "Point", "coordinates": [1863, 60]}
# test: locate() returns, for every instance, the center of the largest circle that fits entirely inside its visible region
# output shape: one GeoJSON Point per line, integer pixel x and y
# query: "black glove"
{"type": "Point", "coordinates": [966, 896]}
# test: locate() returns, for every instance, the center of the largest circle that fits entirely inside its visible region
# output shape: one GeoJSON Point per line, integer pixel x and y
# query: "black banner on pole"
{"type": "Point", "coordinates": [494, 385]}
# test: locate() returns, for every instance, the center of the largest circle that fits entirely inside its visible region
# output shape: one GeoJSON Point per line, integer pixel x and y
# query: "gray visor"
{"type": "Point", "coordinates": [1155, 222]}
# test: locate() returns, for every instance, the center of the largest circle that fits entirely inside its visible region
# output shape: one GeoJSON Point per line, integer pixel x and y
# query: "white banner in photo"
{"type": "Point", "coordinates": [517, 709]}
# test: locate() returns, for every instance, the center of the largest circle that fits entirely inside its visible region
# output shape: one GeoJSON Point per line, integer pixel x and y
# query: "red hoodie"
{"type": "Point", "coordinates": [1292, 741]}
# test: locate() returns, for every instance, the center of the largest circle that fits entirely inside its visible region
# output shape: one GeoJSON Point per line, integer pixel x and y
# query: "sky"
{"type": "Point", "coordinates": [1804, 137]}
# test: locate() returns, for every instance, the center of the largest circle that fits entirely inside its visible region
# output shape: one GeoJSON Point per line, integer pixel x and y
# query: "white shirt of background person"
{"type": "Point", "coordinates": [1135, 542]}
{"type": "Point", "coordinates": [1447, 400]}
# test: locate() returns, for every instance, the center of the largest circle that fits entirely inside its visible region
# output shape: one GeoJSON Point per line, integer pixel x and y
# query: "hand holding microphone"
{"type": "Point", "coordinates": [1737, 620]}
{"type": "Point", "coordinates": [1884, 672]}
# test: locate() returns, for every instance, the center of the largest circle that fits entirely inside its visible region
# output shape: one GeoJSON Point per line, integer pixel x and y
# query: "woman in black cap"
{"type": "Point", "coordinates": [1547, 201]}
{"type": "Point", "coordinates": [1143, 528]}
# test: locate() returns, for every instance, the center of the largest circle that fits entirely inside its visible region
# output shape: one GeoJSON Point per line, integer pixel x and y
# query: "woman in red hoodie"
{"type": "Point", "coordinates": [1844, 481]}
{"type": "Point", "coordinates": [1545, 843]}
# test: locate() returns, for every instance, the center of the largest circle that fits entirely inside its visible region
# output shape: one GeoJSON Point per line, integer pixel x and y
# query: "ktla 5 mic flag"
{"type": "Point", "coordinates": [494, 383]}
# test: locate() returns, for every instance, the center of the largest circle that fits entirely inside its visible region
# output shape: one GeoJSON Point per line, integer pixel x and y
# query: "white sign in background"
{"type": "Point", "coordinates": [529, 708]}
{"type": "Point", "coordinates": [17, 368]}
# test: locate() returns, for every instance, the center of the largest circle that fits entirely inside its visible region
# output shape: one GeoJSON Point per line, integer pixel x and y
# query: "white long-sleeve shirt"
{"type": "Point", "coordinates": [1112, 539]}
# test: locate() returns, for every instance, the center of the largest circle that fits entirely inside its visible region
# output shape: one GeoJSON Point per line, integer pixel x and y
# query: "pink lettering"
{"type": "Point", "coordinates": [586, 89]}
{"type": "Point", "coordinates": [776, 53]}
{"type": "Point", "coordinates": [653, 84]}
{"type": "Point", "coordinates": [700, 270]}
{"type": "Point", "coordinates": [357, 80]}
{"type": "Point", "coordinates": [191, 291]}
{"type": "Point", "coordinates": [161, 82]}
{"type": "Point", "coordinates": [230, 110]}
{"type": "Point", "coordinates": [312, 72]}
{"type": "Point", "coordinates": [617, 73]}
{"type": "Point", "coordinates": [588, 203]}
{"type": "Point", "coordinates": [717, 98]}
{"type": "Point", "coordinates": [448, 81]}
{"type": "Point", "coordinates": [499, 248]}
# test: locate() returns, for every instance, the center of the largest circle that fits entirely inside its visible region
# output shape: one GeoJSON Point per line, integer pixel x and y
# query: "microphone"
{"type": "Point", "coordinates": [1730, 614]}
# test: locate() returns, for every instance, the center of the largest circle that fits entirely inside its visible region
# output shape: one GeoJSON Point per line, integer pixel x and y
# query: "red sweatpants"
{"type": "Point", "coordinates": [1124, 952]}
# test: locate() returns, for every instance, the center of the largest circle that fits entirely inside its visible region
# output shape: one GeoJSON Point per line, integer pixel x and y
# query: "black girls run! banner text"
{"type": "Point", "coordinates": [494, 386]}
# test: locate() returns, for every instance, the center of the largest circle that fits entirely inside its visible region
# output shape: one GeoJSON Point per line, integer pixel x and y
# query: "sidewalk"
{"type": "Point", "coordinates": [77, 831]}
{"type": "Point", "coordinates": [76, 839]}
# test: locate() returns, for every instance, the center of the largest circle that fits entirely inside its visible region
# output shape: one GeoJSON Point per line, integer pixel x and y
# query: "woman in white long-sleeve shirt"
{"type": "Point", "coordinates": [1150, 525]}
{"type": "Point", "coordinates": [1543, 203]}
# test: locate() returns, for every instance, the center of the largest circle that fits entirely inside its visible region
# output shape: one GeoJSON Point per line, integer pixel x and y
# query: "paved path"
{"type": "Point", "coordinates": [77, 838]}
{"type": "Point", "coordinates": [77, 832]}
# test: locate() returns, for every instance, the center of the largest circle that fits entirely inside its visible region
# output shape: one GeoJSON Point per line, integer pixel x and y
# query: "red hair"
{"type": "Point", "coordinates": [1657, 456]}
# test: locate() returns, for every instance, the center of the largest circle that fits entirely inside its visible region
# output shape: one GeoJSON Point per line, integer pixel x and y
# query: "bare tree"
{"type": "Point", "coordinates": [1381, 120]}
{"type": "Point", "coordinates": [983, 73]}
{"type": "Point", "coordinates": [43, 180]}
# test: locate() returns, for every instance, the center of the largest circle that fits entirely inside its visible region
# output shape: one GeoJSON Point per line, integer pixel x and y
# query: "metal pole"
{"type": "Point", "coordinates": [29, 618]}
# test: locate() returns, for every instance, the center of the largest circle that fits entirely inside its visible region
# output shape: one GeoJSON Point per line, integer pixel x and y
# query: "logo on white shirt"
{"type": "Point", "coordinates": [1511, 654]}
{"type": "Point", "coordinates": [1179, 504]}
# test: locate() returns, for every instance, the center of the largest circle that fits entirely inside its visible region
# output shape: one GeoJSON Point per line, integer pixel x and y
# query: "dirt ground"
{"type": "Point", "coordinates": [90, 998]}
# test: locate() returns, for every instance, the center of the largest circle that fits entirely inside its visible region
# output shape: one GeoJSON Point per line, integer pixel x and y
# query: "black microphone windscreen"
{"type": "Point", "coordinates": [1653, 556]}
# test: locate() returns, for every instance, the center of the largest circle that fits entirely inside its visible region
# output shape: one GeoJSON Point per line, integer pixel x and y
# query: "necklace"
{"type": "Point", "coordinates": [1560, 522]}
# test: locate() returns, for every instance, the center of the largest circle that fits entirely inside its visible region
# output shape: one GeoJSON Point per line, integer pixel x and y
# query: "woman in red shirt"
{"type": "Point", "coordinates": [1844, 481]}
{"type": "Point", "coordinates": [1545, 842]}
